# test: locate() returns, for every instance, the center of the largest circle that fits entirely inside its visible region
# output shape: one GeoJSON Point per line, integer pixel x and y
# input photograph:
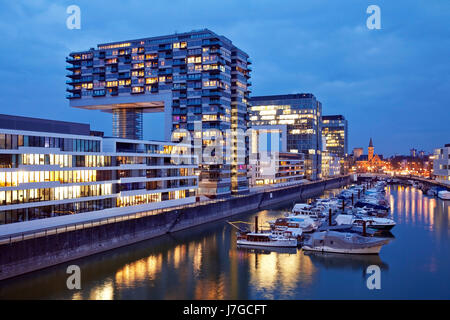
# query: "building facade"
{"type": "Point", "coordinates": [370, 162]}
{"type": "Point", "coordinates": [301, 113]}
{"type": "Point", "coordinates": [199, 79]}
{"type": "Point", "coordinates": [53, 168]}
{"type": "Point", "coordinates": [441, 164]}
{"type": "Point", "coordinates": [331, 165]}
{"type": "Point", "coordinates": [335, 131]}
{"type": "Point", "coordinates": [280, 168]}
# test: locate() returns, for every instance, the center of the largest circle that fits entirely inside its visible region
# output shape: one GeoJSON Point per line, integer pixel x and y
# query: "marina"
{"type": "Point", "coordinates": [205, 262]}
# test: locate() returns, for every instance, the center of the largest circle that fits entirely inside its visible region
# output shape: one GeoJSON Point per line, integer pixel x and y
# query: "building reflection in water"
{"type": "Point", "coordinates": [414, 208]}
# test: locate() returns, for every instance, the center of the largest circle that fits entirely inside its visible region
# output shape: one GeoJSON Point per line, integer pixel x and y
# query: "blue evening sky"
{"type": "Point", "coordinates": [391, 84]}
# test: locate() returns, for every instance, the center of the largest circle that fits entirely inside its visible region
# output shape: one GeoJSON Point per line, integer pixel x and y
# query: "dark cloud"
{"type": "Point", "coordinates": [392, 84]}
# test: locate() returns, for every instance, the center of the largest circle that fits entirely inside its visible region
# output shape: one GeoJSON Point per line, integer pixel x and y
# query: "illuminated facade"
{"type": "Point", "coordinates": [331, 165]}
{"type": "Point", "coordinates": [194, 77]}
{"type": "Point", "coordinates": [370, 162]}
{"type": "Point", "coordinates": [301, 113]}
{"type": "Point", "coordinates": [53, 168]}
{"type": "Point", "coordinates": [335, 131]}
{"type": "Point", "coordinates": [441, 164]}
{"type": "Point", "coordinates": [283, 167]}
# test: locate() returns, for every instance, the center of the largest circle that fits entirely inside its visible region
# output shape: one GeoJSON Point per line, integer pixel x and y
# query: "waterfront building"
{"type": "Point", "coordinates": [357, 152]}
{"type": "Point", "coordinates": [270, 163]}
{"type": "Point", "coordinates": [441, 164]}
{"type": "Point", "coordinates": [370, 162]}
{"type": "Point", "coordinates": [199, 79]}
{"type": "Point", "coordinates": [335, 131]}
{"type": "Point", "coordinates": [51, 168]}
{"type": "Point", "coordinates": [280, 167]}
{"type": "Point", "coordinates": [331, 165]}
{"type": "Point", "coordinates": [301, 114]}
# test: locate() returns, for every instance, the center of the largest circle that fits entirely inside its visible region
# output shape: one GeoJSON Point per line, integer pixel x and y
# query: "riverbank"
{"type": "Point", "coordinates": [30, 254]}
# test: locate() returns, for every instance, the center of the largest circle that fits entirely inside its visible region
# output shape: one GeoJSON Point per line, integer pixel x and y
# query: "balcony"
{"type": "Point", "coordinates": [73, 96]}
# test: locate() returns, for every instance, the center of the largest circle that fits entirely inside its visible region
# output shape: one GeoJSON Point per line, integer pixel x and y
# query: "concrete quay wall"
{"type": "Point", "coordinates": [29, 255]}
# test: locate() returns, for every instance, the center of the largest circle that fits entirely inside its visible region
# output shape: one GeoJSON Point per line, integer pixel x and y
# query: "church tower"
{"type": "Point", "coordinates": [370, 150]}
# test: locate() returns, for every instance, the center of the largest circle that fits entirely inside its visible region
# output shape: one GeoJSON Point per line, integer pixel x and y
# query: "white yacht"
{"type": "Point", "coordinates": [382, 224]}
{"type": "Point", "coordinates": [343, 242]}
{"type": "Point", "coordinates": [444, 195]}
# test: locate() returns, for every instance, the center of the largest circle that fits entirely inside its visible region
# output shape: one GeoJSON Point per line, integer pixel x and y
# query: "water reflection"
{"type": "Point", "coordinates": [345, 261]}
{"type": "Point", "coordinates": [204, 263]}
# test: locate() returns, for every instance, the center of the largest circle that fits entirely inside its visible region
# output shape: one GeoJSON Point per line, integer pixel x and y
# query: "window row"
{"type": "Point", "coordinates": [19, 215]}
{"type": "Point", "coordinates": [13, 141]}
{"type": "Point", "coordinates": [14, 179]}
{"type": "Point", "coordinates": [53, 194]}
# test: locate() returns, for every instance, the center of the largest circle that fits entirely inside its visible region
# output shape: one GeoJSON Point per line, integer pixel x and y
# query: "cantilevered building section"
{"type": "Point", "coordinates": [54, 168]}
{"type": "Point", "coordinates": [199, 79]}
{"type": "Point", "coordinates": [335, 131]}
{"type": "Point", "coordinates": [301, 116]}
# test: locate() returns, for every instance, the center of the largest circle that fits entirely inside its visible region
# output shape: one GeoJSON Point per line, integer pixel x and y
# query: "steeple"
{"type": "Point", "coordinates": [370, 149]}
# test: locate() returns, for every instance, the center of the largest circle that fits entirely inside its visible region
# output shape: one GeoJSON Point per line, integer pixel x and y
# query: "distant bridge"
{"type": "Point", "coordinates": [427, 183]}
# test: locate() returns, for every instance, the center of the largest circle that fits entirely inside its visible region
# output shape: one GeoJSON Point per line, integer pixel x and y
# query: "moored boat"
{"type": "Point", "coordinates": [343, 242]}
{"type": "Point", "coordinates": [444, 195]}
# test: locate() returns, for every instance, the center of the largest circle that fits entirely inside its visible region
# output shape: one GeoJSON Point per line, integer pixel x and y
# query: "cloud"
{"type": "Point", "coordinates": [391, 84]}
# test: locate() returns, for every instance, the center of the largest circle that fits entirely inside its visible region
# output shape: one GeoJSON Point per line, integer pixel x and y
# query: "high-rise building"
{"type": "Point", "coordinates": [53, 168]}
{"type": "Point", "coordinates": [335, 131]}
{"type": "Point", "coordinates": [199, 79]}
{"type": "Point", "coordinates": [301, 113]}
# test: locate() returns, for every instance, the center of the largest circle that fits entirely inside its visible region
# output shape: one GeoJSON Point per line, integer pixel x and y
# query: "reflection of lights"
{"type": "Point", "coordinates": [103, 292]}
{"type": "Point", "coordinates": [139, 270]}
{"type": "Point", "coordinates": [281, 271]}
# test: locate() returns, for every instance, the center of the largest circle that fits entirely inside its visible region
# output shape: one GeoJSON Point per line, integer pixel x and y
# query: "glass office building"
{"type": "Point", "coordinates": [335, 132]}
{"type": "Point", "coordinates": [199, 79]}
{"type": "Point", "coordinates": [301, 114]}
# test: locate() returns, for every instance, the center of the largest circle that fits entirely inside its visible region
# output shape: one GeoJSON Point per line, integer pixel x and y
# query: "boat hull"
{"type": "Point", "coordinates": [288, 243]}
{"type": "Point", "coordinates": [368, 250]}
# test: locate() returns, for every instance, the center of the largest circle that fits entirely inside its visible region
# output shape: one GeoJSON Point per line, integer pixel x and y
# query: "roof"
{"type": "Point", "coordinates": [370, 143]}
{"type": "Point", "coordinates": [43, 125]}
{"type": "Point", "coordinates": [283, 96]}
{"type": "Point", "coordinates": [333, 117]}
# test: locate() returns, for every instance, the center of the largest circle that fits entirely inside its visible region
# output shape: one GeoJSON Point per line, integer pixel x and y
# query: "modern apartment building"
{"type": "Point", "coordinates": [199, 79]}
{"type": "Point", "coordinates": [282, 167]}
{"type": "Point", "coordinates": [441, 164]}
{"type": "Point", "coordinates": [52, 168]}
{"type": "Point", "coordinates": [335, 131]}
{"type": "Point", "coordinates": [331, 165]}
{"type": "Point", "coordinates": [301, 113]}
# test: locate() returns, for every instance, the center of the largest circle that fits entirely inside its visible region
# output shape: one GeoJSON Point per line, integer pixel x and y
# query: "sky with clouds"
{"type": "Point", "coordinates": [391, 84]}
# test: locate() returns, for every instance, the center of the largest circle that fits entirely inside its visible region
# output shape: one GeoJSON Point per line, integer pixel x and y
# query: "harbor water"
{"type": "Point", "coordinates": [204, 263]}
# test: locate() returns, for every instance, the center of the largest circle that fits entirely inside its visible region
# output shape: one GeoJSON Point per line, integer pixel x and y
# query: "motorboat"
{"type": "Point", "coordinates": [382, 224]}
{"type": "Point", "coordinates": [266, 239]}
{"type": "Point", "coordinates": [444, 195]}
{"type": "Point", "coordinates": [343, 242]}
{"type": "Point", "coordinates": [284, 237]}
{"type": "Point", "coordinates": [307, 210]}
{"type": "Point", "coordinates": [303, 222]}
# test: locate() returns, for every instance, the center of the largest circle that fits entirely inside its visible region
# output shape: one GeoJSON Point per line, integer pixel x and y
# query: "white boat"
{"type": "Point", "coordinates": [383, 224]}
{"type": "Point", "coordinates": [302, 222]}
{"type": "Point", "coordinates": [340, 242]}
{"type": "Point", "coordinates": [307, 210]}
{"type": "Point", "coordinates": [263, 239]}
{"type": "Point", "coordinates": [444, 195]}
